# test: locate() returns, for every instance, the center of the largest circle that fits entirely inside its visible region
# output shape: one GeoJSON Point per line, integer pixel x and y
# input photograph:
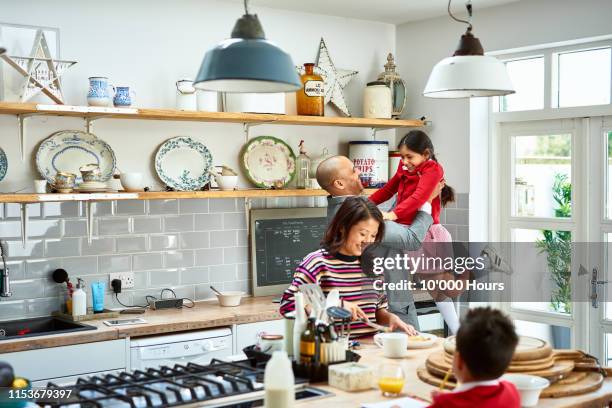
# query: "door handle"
{"type": "Point", "coordinates": [594, 286]}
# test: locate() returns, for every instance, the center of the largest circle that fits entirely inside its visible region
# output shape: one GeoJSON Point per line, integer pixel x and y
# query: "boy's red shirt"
{"type": "Point", "coordinates": [413, 188]}
{"type": "Point", "coordinates": [503, 395]}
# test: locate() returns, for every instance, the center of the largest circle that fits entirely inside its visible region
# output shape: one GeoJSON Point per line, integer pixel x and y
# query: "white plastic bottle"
{"type": "Point", "coordinates": [79, 300]}
{"type": "Point", "coordinates": [279, 382]}
{"type": "Point", "coordinates": [300, 324]}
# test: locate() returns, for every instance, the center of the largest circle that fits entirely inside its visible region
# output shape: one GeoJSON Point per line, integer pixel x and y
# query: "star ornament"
{"type": "Point", "coordinates": [41, 72]}
{"type": "Point", "coordinates": [335, 79]}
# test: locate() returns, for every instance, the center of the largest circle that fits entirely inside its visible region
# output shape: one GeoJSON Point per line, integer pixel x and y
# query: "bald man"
{"type": "Point", "coordinates": [338, 176]}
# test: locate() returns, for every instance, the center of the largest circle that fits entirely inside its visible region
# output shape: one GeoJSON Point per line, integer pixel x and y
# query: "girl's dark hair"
{"type": "Point", "coordinates": [352, 211]}
{"type": "Point", "coordinates": [419, 142]}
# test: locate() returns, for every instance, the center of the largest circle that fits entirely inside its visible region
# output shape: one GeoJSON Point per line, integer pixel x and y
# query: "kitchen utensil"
{"type": "Point", "coordinates": [528, 386]}
{"type": "Point", "coordinates": [332, 299]}
{"type": "Point", "coordinates": [394, 345]}
{"type": "Point", "coordinates": [376, 326]}
{"type": "Point", "coordinates": [268, 162]}
{"type": "Point", "coordinates": [183, 163]}
{"type": "Point", "coordinates": [68, 150]}
{"type": "Point", "coordinates": [230, 298]}
{"type": "Point", "coordinates": [216, 291]}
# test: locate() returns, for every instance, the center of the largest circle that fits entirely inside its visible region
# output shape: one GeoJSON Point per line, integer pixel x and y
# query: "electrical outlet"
{"type": "Point", "coordinates": [126, 278]}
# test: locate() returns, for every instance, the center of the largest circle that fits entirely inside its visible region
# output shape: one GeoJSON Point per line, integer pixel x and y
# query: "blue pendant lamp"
{"type": "Point", "coordinates": [247, 62]}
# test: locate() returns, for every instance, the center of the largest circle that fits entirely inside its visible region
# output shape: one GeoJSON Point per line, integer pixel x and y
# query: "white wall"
{"type": "Point", "coordinates": [148, 45]}
{"type": "Point", "coordinates": [421, 45]}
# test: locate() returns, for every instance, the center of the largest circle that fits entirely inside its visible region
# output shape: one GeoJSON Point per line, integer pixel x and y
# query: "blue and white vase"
{"type": "Point", "coordinates": [99, 92]}
{"type": "Point", "coordinates": [123, 97]}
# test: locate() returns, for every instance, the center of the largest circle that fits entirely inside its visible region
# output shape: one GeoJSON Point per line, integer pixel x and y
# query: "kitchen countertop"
{"type": "Point", "coordinates": [205, 314]}
{"type": "Point", "coordinates": [372, 356]}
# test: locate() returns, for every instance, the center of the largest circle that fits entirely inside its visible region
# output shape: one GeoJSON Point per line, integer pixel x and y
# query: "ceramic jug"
{"type": "Point", "coordinates": [100, 92]}
{"type": "Point", "coordinates": [123, 97]}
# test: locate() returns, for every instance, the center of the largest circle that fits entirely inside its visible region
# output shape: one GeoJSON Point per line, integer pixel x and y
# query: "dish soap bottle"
{"type": "Point", "coordinates": [279, 382]}
{"type": "Point", "coordinates": [79, 300]}
{"type": "Point", "coordinates": [310, 100]}
{"type": "Point", "coordinates": [302, 164]}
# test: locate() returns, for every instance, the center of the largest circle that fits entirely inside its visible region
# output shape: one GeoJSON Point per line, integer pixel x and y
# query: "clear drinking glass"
{"type": "Point", "coordinates": [391, 379]}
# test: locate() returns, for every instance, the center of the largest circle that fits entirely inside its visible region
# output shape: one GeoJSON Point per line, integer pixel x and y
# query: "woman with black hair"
{"type": "Point", "coordinates": [336, 265]}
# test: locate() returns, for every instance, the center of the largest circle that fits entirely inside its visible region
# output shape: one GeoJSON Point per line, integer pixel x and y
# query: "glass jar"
{"type": "Point", "coordinates": [302, 164]}
{"type": "Point", "coordinates": [310, 100]}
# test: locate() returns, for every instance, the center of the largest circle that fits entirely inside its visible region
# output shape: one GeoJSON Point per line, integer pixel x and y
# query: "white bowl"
{"type": "Point", "coordinates": [528, 386]}
{"type": "Point", "coordinates": [227, 182]}
{"type": "Point", "coordinates": [230, 298]}
{"type": "Point", "coordinates": [131, 181]}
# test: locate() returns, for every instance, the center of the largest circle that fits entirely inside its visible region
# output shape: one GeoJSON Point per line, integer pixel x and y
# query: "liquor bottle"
{"type": "Point", "coordinates": [310, 100]}
{"type": "Point", "coordinates": [302, 164]}
{"type": "Point", "coordinates": [307, 342]}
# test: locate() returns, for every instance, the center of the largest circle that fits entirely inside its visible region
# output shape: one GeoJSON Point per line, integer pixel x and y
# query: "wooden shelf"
{"type": "Point", "coordinates": [8, 108]}
{"type": "Point", "coordinates": [25, 198]}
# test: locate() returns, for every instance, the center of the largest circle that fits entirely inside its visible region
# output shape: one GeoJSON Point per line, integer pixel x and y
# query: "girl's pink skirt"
{"type": "Point", "coordinates": [436, 252]}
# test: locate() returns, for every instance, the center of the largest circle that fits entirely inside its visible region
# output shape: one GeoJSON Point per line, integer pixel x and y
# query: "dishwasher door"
{"type": "Point", "coordinates": [194, 347]}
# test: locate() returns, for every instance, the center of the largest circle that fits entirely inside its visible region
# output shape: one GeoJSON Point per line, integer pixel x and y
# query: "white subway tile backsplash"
{"type": "Point", "coordinates": [193, 206]}
{"type": "Point", "coordinates": [158, 207]}
{"type": "Point", "coordinates": [463, 233]}
{"type": "Point", "coordinates": [143, 262]}
{"type": "Point", "coordinates": [102, 208]}
{"type": "Point", "coordinates": [235, 221]}
{"type": "Point", "coordinates": [27, 289]}
{"type": "Point", "coordinates": [42, 307]}
{"type": "Point", "coordinates": [219, 239]}
{"type": "Point", "coordinates": [82, 265]}
{"type": "Point", "coordinates": [163, 242]}
{"type": "Point", "coordinates": [194, 275]}
{"type": "Point", "coordinates": [463, 200]}
{"type": "Point", "coordinates": [13, 210]}
{"type": "Point", "coordinates": [131, 244]}
{"type": "Point", "coordinates": [178, 223]}
{"type": "Point", "coordinates": [40, 268]}
{"type": "Point", "coordinates": [203, 292]}
{"type": "Point", "coordinates": [243, 271]}
{"type": "Point", "coordinates": [241, 286]}
{"type": "Point", "coordinates": [114, 263]}
{"type": "Point", "coordinates": [63, 247]}
{"type": "Point", "coordinates": [222, 273]}
{"type": "Point", "coordinates": [457, 216]}
{"type": "Point", "coordinates": [222, 205]}
{"type": "Point", "coordinates": [130, 207]}
{"type": "Point", "coordinates": [32, 249]}
{"type": "Point", "coordinates": [208, 222]}
{"type": "Point", "coordinates": [243, 238]}
{"type": "Point", "coordinates": [194, 240]}
{"type": "Point", "coordinates": [75, 228]}
{"type": "Point", "coordinates": [17, 269]}
{"type": "Point", "coordinates": [12, 309]}
{"type": "Point", "coordinates": [164, 277]}
{"type": "Point", "coordinates": [235, 255]}
{"type": "Point", "coordinates": [113, 226]}
{"type": "Point", "coordinates": [146, 225]}
{"type": "Point", "coordinates": [98, 246]}
{"type": "Point", "coordinates": [10, 229]}
{"type": "Point", "coordinates": [67, 209]}
{"type": "Point", "coordinates": [205, 257]}
{"type": "Point", "coordinates": [178, 259]}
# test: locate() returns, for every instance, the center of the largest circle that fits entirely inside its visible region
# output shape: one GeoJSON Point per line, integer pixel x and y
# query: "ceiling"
{"type": "Point", "coordinates": [387, 11]}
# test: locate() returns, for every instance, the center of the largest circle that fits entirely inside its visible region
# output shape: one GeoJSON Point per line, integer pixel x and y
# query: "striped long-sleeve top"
{"type": "Point", "coordinates": [340, 272]}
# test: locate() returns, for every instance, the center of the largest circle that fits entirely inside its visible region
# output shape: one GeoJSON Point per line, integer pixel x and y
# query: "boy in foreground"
{"type": "Point", "coordinates": [485, 344]}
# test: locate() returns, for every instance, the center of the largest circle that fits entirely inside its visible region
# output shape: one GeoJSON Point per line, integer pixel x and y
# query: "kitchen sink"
{"type": "Point", "coordinates": [39, 326]}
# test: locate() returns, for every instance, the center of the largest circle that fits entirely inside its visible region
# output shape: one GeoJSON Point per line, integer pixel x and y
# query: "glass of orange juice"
{"type": "Point", "coordinates": [391, 379]}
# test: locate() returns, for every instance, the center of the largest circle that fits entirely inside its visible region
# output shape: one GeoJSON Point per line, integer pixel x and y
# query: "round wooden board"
{"type": "Point", "coordinates": [426, 377]}
{"type": "Point", "coordinates": [529, 348]}
{"type": "Point", "coordinates": [591, 382]}
{"type": "Point", "coordinates": [572, 378]}
{"type": "Point", "coordinates": [518, 366]}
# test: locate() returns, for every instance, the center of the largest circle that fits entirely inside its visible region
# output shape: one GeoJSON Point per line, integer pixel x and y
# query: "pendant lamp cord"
{"type": "Point", "coordinates": [246, 6]}
{"type": "Point", "coordinates": [468, 6]}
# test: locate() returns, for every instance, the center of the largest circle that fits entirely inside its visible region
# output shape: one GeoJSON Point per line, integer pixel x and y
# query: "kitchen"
{"type": "Point", "coordinates": [189, 241]}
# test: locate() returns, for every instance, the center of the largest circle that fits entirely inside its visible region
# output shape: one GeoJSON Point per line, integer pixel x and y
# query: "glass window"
{"type": "Point", "coordinates": [609, 175]}
{"type": "Point", "coordinates": [584, 77]}
{"type": "Point", "coordinates": [551, 253]}
{"type": "Point", "coordinates": [559, 337]}
{"type": "Point", "coordinates": [527, 76]}
{"type": "Point", "coordinates": [542, 176]}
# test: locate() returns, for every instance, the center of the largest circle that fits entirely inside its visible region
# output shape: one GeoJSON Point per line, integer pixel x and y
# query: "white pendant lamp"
{"type": "Point", "coordinates": [468, 73]}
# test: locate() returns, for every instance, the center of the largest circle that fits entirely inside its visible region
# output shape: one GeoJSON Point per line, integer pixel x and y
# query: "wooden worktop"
{"type": "Point", "coordinates": [206, 314]}
{"type": "Point", "coordinates": [372, 356]}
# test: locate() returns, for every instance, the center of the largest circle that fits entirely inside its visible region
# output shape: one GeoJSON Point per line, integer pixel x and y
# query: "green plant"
{"type": "Point", "coordinates": [558, 247]}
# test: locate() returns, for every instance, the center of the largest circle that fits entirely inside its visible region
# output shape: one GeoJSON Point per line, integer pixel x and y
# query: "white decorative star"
{"type": "Point", "coordinates": [335, 79]}
{"type": "Point", "coordinates": [41, 72]}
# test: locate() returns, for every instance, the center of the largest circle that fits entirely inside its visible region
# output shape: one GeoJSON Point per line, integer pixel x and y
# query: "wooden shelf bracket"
{"type": "Point", "coordinates": [246, 127]}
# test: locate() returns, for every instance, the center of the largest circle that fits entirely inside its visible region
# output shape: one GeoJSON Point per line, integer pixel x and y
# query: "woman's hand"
{"type": "Point", "coordinates": [390, 216]}
{"type": "Point", "coordinates": [397, 323]}
{"type": "Point", "coordinates": [356, 312]}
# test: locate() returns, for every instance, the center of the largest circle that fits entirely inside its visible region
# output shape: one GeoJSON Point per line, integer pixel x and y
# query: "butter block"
{"type": "Point", "coordinates": [351, 376]}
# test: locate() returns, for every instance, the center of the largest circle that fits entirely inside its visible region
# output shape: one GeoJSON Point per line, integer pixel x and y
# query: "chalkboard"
{"type": "Point", "coordinates": [280, 238]}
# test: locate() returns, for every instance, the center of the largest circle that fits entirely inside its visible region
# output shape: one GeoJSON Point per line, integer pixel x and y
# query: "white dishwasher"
{"type": "Point", "coordinates": [192, 347]}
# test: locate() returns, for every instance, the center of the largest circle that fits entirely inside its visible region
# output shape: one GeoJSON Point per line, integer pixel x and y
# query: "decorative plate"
{"type": "Point", "coordinates": [3, 164]}
{"type": "Point", "coordinates": [68, 150]}
{"type": "Point", "coordinates": [267, 162]}
{"type": "Point", "coordinates": [183, 163]}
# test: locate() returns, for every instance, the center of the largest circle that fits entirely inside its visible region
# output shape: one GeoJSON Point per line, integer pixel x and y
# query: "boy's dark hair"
{"type": "Point", "coordinates": [419, 142]}
{"type": "Point", "coordinates": [352, 211]}
{"type": "Point", "coordinates": [486, 341]}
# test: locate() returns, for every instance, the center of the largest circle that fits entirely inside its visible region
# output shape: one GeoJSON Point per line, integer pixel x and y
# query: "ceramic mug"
{"type": "Point", "coordinates": [123, 97]}
{"type": "Point", "coordinates": [64, 180]}
{"type": "Point", "coordinates": [90, 172]}
{"type": "Point", "coordinates": [394, 345]}
{"type": "Point", "coordinates": [99, 91]}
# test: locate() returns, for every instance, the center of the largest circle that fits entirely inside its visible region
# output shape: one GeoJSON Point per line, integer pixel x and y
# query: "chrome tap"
{"type": "Point", "coordinates": [5, 282]}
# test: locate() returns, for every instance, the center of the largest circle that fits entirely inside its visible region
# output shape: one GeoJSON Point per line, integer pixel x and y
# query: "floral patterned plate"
{"type": "Point", "coordinates": [268, 162]}
{"type": "Point", "coordinates": [3, 164]}
{"type": "Point", "coordinates": [68, 150]}
{"type": "Point", "coordinates": [183, 163]}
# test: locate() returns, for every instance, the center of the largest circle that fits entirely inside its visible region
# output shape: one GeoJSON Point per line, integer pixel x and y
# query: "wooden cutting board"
{"type": "Point", "coordinates": [437, 366]}
{"type": "Point", "coordinates": [425, 376]}
{"type": "Point", "coordinates": [518, 366]}
{"type": "Point", "coordinates": [528, 348]}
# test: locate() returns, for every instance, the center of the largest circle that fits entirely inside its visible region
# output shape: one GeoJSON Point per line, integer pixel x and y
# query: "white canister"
{"type": "Point", "coordinates": [208, 101]}
{"type": "Point", "coordinates": [185, 95]}
{"type": "Point", "coordinates": [371, 157]}
{"type": "Point", "coordinates": [394, 160]}
{"type": "Point", "coordinates": [377, 101]}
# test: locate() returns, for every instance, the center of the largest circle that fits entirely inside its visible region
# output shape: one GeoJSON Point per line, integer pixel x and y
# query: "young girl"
{"type": "Point", "coordinates": [417, 176]}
